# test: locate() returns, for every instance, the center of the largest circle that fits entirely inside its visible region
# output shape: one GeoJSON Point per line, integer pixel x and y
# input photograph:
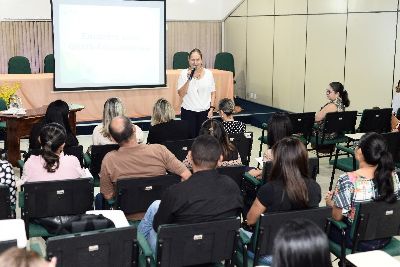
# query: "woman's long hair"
{"type": "Point", "coordinates": [52, 137]}
{"type": "Point", "coordinates": [112, 108]}
{"type": "Point", "coordinates": [290, 165]}
{"type": "Point", "coordinates": [216, 129]}
{"type": "Point", "coordinates": [57, 112]}
{"type": "Point", "coordinates": [339, 88]}
{"type": "Point", "coordinates": [279, 126]}
{"type": "Point", "coordinates": [301, 243]}
{"type": "Point", "coordinates": [162, 112]}
{"type": "Point", "coordinates": [375, 152]}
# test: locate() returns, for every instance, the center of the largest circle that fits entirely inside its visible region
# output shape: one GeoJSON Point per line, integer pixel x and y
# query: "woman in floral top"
{"type": "Point", "coordinates": [375, 180]}
{"type": "Point", "coordinates": [338, 101]}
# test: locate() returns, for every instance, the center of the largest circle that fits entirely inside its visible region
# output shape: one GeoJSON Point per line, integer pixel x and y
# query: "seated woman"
{"type": "Point", "coordinates": [226, 107]}
{"type": "Point", "coordinates": [52, 164]}
{"type": "Point", "coordinates": [7, 178]}
{"type": "Point", "coordinates": [338, 101]}
{"type": "Point", "coordinates": [164, 127]}
{"type": "Point", "coordinates": [230, 154]}
{"type": "Point", "coordinates": [112, 108]}
{"type": "Point", "coordinates": [301, 243]}
{"type": "Point", "coordinates": [288, 187]}
{"type": "Point", "coordinates": [57, 111]}
{"type": "Point", "coordinates": [279, 127]}
{"type": "Point", "coordinates": [374, 180]}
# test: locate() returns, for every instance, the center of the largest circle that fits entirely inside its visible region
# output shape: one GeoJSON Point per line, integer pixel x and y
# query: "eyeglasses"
{"type": "Point", "coordinates": [328, 91]}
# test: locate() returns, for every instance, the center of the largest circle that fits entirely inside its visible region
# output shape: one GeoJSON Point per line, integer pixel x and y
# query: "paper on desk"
{"type": "Point", "coordinates": [260, 160]}
{"type": "Point", "coordinates": [14, 111]}
{"type": "Point", "coordinates": [116, 216]}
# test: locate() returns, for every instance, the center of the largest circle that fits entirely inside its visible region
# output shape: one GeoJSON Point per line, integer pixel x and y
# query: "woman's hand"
{"type": "Point", "coordinates": [210, 113]}
{"type": "Point", "coordinates": [328, 199]}
{"type": "Point", "coordinates": [255, 173]}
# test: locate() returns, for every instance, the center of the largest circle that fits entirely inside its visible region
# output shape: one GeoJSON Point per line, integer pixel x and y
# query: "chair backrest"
{"type": "Point", "coordinates": [375, 120]}
{"type": "Point", "coordinates": [180, 60]}
{"type": "Point", "coordinates": [303, 123]}
{"type": "Point", "coordinates": [102, 248]}
{"type": "Point", "coordinates": [225, 61]}
{"type": "Point", "coordinates": [179, 148]}
{"type": "Point", "coordinates": [53, 198]}
{"type": "Point", "coordinates": [136, 194]}
{"type": "Point", "coordinates": [375, 220]}
{"type": "Point", "coordinates": [97, 154]}
{"type": "Point", "coordinates": [199, 243]}
{"type": "Point", "coordinates": [4, 245]}
{"type": "Point", "coordinates": [393, 142]}
{"type": "Point", "coordinates": [5, 203]}
{"type": "Point", "coordinates": [49, 63]}
{"type": "Point", "coordinates": [234, 172]}
{"type": "Point", "coordinates": [244, 144]}
{"type": "Point", "coordinates": [19, 65]}
{"type": "Point", "coordinates": [269, 224]}
{"type": "Point", "coordinates": [340, 122]}
{"type": "Point", "coordinates": [313, 166]}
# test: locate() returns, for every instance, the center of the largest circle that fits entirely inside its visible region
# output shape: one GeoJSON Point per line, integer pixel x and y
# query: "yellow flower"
{"type": "Point", "coordinates": [7, 90]}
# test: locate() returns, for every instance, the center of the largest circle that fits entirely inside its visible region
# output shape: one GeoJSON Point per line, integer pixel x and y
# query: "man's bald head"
{"type": "Point", "coordinates": [121, 129]}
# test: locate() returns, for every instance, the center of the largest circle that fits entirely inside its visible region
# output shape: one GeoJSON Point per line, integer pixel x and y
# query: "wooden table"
{"type": "Point", "coordinates": [20, 126]}
{"type": "Point", "coordinates": [37, 90]}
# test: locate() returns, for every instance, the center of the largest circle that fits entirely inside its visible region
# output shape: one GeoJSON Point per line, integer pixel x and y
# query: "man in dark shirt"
{"type": "Point", "coordinates": [205, 196]}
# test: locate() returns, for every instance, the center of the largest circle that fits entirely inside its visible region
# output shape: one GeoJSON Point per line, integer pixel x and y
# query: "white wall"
{"type": "Point", "coordinates": [177, 10]}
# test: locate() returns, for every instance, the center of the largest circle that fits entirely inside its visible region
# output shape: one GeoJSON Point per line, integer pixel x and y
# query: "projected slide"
{"type": "Point", "coordinates": [108, 44]}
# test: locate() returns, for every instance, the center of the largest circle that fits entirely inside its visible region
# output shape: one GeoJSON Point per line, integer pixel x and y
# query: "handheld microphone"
{"type": "Point", "coordinates": [192, 73]}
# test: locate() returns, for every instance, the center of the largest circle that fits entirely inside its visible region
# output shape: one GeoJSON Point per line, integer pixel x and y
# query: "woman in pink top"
{"type": "Point", "coordinates": [52, 164]}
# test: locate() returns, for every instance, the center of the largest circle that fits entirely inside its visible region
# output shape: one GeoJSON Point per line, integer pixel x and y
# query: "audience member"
{"type": "Point", "coordinates": [18, 257]}
{"type": "Point", "coordinates": [279, 127]}
{"type": "Point", "coordinates": [57, 111]}
{"type": "Point", "coordinates": [338, 101]}
{"type": "Point", "coordinates": [396, 99]}
{"type": "Point", "coordinates": [301, 243]}
{"type": "Point", "coordinates": [205, 196]}
{"type": "Point", "coordinates": [52, 164]}
{"type": "Point", "coordinates": [196, 88]}
{"type": "Point", "coordinates": [288, 186]}
{"type": "Point", "coordinates": [230, 154]}
{"type": "Point", "coordinates": [164, 127]}
{"type": "Point", "coordinates": [135, 160]}
{"type": "Point", "coordinates": [374, 180]}
{"type": "Point", "coordinates": [226, 107]}
{"type": "Point", "coordinates": [113, 107]}
{"type": "Point", "coordinates": [7, 178]}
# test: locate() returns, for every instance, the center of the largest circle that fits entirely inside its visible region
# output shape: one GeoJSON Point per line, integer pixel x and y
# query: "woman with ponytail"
{"type": "Point", "coordinates": [374, 180]}
{"type": "Point", "coordinates": [52, 164]}
{"type": "Point", "coordinates": [338, 101]}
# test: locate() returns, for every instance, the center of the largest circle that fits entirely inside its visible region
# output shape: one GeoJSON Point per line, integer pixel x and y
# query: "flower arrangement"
{"type": "Point", "coordinates": [7, 90]}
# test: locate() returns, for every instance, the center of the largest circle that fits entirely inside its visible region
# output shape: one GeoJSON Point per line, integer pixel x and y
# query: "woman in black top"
{"type": "Point", "coordinates": [57, 111]}
{"type": "Point", "coordinates": [288, 187]}
{"type": "Point", "coordinates": [164, 127]}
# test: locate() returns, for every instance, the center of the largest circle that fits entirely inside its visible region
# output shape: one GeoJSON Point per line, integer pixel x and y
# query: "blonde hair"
{"type": "Point", "coordinates": [17, 257]}
{"type": "Point", "coordinates": [113, 107]}
{"type": "Point", "coordinates": [162, 112]}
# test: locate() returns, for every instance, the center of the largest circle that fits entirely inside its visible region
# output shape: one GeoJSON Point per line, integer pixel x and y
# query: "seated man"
{"type": "Point", "coordinates": [206, 196]}
{"type": "Point", "coordinates": [134, 160]}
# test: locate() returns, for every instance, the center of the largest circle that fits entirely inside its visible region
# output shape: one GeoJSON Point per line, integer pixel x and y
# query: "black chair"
{"type": "Point", "coordinates": [179, 148]}
{"type": "Point", "coordinates": [194, 244]}
{"type": "Point", "coordinates": [373, 220]}
{"type": "Point", "coordinates": [4, 245]}
{"type": "Point", "coordinates": [393, 142]}
{"type": "Point", "coordinates": [102, 248]}
{"type": "Point", "coordinates": [54, 198]}
{"type": "Point", "coordinates": [338, 123]}
{"type": "Point", "coordinates": [302, 124]}
{"type": "Point", "coordinates": [375, 120]}
{"type": "Point", "coordinates": [94, 160]}
{"type": "Point", "coordinates": [135, 195]}
{"type": "Point", "coordinates": [234, 172]}
{"type": "Point", "coordinates": [5, 203]}
{"type": "Point", "coordinates": [267, 228]}
{"type": "Point", "coordinates": [244, 144]}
